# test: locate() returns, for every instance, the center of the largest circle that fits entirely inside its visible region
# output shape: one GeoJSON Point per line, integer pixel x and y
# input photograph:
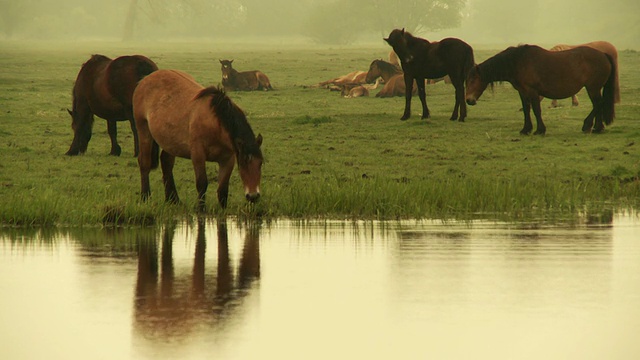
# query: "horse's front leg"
{"type": "Point", "coordinates": [112, 128]}
{"type": "Point", "coordinates": [199, 160]}
{"type": "Point", "coordinates": [422, 94]}
{"type": "Point", "coordinates": [224, 173]}
{"type": "Point", "coordinates": [460, 103]}
{"type": "Point", "coordinates": [408, 92]}
{"type": "Point", "coordinates": [170, 193]}
{"type": "Point", "coordinates": [540, 128]}
{"type": "Point", "coordinates": [526, 110]}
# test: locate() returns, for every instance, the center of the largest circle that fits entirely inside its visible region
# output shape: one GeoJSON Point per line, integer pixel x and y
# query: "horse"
{"type": "Point", "coordinates": [395, 86]}
{"type": "Point", "coordinates": [536, 72]}
{"type": "Point", "coordinates": [357, 90]}
{"type": "Point", "coordinates": [184, 119]}
{"type": "Point", "coordinates": [605, 47]}
{"type": "Point", "coordinates": [233, 80]}
{"type": "Point", "coordinates": [421, 59]}
{"type": "Point", "coordinates": [393, 58]}
{"type": "Point", "coordinates": [354, 77]}
{"type": "Point", "coordinates": [383, 69]}
{"type": "Point", "coordinates": [104, 88]}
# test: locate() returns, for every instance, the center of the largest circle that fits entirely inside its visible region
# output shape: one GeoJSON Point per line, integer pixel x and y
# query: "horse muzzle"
{"type": "Point", "coordinates": [252, 197]}
{"type": "Point", "coordinates": [471, 101]}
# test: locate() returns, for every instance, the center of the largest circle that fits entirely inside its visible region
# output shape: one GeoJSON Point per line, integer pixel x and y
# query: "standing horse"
{"type": "Point", "coordinates": [422, 60]}
{"type": "Point", "coordinates": [383, 69]}
{"type": "Point", "coordinates": [233, 79]}
{"type": "Point", "coordinates": [104, 87]}
{"type": "Point", "coordinates": [175, 113]}
{"type": "Point", "coordinates": [536, 72]}
{"type": "Point", "coordinates": [605, 47]}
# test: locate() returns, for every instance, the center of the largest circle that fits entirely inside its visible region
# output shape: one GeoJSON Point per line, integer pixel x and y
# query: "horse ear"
{"type": "Point", "coordinates": [231, 62]}
{"type": "Point", "coordinates": [402, 31]}
{"type": "Point", "coordinates": [386, 39]}
{"type": "Point", "coordinates": [220, 61]}
{"type": "Point", "coordinates": [70, 112]}
{"type": "Point", "coordinates": [259, 140]}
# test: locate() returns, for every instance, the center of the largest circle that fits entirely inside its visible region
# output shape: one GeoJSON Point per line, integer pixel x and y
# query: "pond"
{"type": "Point", "coordinates": [323, 290]}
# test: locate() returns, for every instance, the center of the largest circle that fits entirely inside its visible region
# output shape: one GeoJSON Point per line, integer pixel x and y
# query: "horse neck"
{"type": "Point", "coordinates": [388, 70]}
{"type": "Point", "coordinates": [497, 68]}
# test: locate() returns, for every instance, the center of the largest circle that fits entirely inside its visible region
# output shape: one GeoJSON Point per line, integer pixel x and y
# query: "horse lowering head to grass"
{"type": "Point", "coordinates": [536, 72]}
{"type": "Point", "coordinates": [422, 59]}
{"type": "Point", "coordinates": [176, 114]}
{"type": "Point", "coordinates": [104, 88]}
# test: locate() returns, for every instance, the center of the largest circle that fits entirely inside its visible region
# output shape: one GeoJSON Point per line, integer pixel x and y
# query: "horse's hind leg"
{"type": "Point", "coordinates": [422, 94]}
{"type": "Point", "coordinates": [132, 122]}
{"type": "Point", "coordinates": [224, 173]}
{"type": "Point", "coordinates": [541, 129]}
{"type": "Point", "coordinates": [596, 112]}
{"type": "Point", "coordinates": [526, 110]}
{"type": "Point", "coordinates": [170, 193]}
{"type": "Point", "coordinates": [460, 103]}
{"type": "Point", "coordinates": [112, 128]}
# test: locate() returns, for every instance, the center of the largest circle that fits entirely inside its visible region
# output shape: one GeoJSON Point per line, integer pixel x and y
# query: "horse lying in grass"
{"type": "Point", "coordinates": [536, 72]}
{"type": "Point", "coordinates": [104, 87]}
{"type": "Point", "coordinates": [176, 114]}
{"type": "Point", "coordinates": [354, 77]}
{"type": "Point", "coordinates": [421, 59]}
{"type": "Point", "coordinates": [606, 48]}
{"type": "Point", "coordinates": [233, 80]}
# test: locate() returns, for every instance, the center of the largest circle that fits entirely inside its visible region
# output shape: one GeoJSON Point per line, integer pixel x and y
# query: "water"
{"type": "Point", "coordinates": [323, 291]}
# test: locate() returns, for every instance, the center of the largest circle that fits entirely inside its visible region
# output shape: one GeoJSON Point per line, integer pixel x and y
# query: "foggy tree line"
{"type": "Point", "coordinates": [321, 21]}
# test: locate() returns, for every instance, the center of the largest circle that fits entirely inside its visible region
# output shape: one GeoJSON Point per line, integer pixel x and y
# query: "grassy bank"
{"type": "Point", "coordinates": [325, 156]}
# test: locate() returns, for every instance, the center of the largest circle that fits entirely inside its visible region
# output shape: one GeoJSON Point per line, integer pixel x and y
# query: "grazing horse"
{"type": "Point", "coordinates": [175, 113]}
{"type": "Point", "coordinates": [104, 88]}
{"type": "Point", "coordinates": [422, 60]}
{"type": "Point", "coordinates": [605, 47]}
{"type": "Point", "coordinates": [395, 86]}
{"type": "Point", "coordinates": [536, 72]}
{"type": "Point", "coordinates": [233, 80]}
{"type": "Point", "coordinates": [383, 69]}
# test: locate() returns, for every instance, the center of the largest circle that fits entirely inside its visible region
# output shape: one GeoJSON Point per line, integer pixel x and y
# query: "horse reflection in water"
{"type": "Point", "coordinates": [180, 303]}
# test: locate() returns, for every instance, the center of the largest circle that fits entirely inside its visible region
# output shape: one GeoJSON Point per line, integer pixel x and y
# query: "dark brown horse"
{"type": "Point", "coordinates": [186, 120]}
{"type": "Point", "coordinates": [104, 88]}
{"type": "Point", "coordinates": [536, 72]}
{"type": "Point", "coordinates": [421, 59]}
{"type": "Point", "coordinates": [383, 69]}
{"type": "Point", "coordinates": [233, 80]}
{"type": "Point", "coordinates": [605, 47]}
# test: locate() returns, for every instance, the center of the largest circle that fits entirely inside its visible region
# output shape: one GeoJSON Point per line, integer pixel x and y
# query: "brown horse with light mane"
{"type": "Point", "coordinates": [233, 80]}
{"type": "Point", "coordinates": [605, 47]}
{"type": "Point", "coordinates": [175, 113]}
{"type": "Point", "coordinates": [104, 87]}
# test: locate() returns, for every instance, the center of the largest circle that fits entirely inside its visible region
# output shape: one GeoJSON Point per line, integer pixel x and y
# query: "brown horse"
{"type": "Point", "coordinates": [421, 59]}
{"type": "Point", "coordinates": [395, 86]}
{"type": "Point", "coordinates": [233, 80]}
{"type": "Point", "coordinates": [536, 72]}
{"type": "Point", "coordinates": [354, 77]}
{"type": "Point", "coordinates": [175, 113]}
{"type": "Point", "coordinates": [357, 90]}
{"type": "Point", "coordinates": [104, 88]}
{"type": "Point", "coordinates": [383, 69]}
{"type": "Point", "coordinates": [605, 47]}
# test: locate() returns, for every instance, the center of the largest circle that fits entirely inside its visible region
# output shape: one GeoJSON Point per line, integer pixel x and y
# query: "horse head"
{"type": "Point", "coordinates": [250, 165]}
{"type": "Point", "coordinates": [398, 41]}
{"type": "Point", "coordinates": [374, 72]}
{"type": "Point", "coordinates": [475, 85]}
{"type": "Point", "coordinates": [227, 68]}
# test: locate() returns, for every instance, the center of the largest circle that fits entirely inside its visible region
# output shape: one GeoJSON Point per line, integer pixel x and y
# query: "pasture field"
{"type": "Point", "coordinates": [326, 156]}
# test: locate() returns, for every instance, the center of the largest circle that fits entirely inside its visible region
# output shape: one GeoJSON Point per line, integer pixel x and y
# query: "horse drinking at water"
{"type": "Point", "coordinates": [536, 72]}
{"type": "Point", "coordinates": [176, 114]}
{"type": "Point", "coordinates": [233, 79]}
{"type": "Point", "coordinates": [422, 60]}
{"type": "Point", "coordinates": [104, 87]}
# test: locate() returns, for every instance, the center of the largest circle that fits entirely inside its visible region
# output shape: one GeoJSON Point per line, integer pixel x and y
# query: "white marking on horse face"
{"type": "Point", "coordinates": [225, 76]}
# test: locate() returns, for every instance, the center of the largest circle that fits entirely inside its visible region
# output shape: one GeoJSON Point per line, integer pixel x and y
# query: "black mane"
{"type": "Point", "coordinates": [502, 66]}
{"type": "Point", "coordinates": [233, 120]}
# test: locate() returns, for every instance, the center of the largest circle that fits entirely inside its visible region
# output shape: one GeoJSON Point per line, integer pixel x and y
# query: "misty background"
{"type": "Point", "coordinates": [324, 22]}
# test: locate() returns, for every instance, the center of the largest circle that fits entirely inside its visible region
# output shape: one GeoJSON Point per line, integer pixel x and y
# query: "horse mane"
{"type": "Point", "coordinates": [502, 65]}
{"type": "Point", "coordinates": [233, 120]}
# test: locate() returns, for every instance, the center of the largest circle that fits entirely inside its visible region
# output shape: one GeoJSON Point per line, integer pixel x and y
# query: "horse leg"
{"type": "Point", "coordinates": [170, 193]}
{"type": "Point", "coordinates": [112, 128]}
{"type": "Point", "coordinates": [596, 112]}
{"type": "Point", "coordinates": [574, 100]}
{"type": "Point", "coordinates": [460, 103]}
{"type": "Point", "coordinates": [422, 94]}
{"type": "Point", "coordinates": [145, 160]}
{"type": "Point", "coordinates": [199, 159]}
{"type": "Point", "coordinates": [408, 92]}
{"type": "Point", "coordinates": [224, 173]}
{"type": "Point", "coordinates": [82, 127]}
{"type": "Point", "coordinates": [526, 110]}
{"type": "Point", "coordinates": [540, 128]}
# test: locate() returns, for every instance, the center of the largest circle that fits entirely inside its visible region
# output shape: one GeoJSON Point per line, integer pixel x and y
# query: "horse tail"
{"type": "Point", "coordinates": [468, 64]}
{"type": "Point", "coordinates": [155, 155]}
{"type": "Point", "coordinates": [609, 94]}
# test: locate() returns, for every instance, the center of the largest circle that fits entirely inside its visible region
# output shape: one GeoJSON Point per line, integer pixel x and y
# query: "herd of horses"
{"type": "Point", "coordinates": [171, 115]}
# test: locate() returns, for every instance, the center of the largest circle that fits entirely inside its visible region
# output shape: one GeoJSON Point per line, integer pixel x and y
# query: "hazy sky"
{"type": "Point", "coordinates": [483, 21]}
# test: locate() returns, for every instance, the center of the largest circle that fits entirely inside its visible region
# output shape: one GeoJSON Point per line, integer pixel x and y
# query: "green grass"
{"type": "Point", "coordinates": [326, 156]}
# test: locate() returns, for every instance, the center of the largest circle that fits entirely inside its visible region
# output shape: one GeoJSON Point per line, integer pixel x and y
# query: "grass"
{"type": "Point", "coordinates": [326, 156]}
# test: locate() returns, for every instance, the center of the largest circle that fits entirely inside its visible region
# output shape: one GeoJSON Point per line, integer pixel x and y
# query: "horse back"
{"type": "Point", "coordinates": [125, 72]}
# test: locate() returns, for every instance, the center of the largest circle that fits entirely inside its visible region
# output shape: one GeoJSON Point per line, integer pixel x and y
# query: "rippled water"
{"type": "Point", "coordinates": [336, 290]}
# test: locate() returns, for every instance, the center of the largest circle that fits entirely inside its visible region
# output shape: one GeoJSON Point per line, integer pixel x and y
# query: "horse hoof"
{"type": "Point", "coordinates": [404, 118]}
{"type": "Point", "coordinates": [525, 132]}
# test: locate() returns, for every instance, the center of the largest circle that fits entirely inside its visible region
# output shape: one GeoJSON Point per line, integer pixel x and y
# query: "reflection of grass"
{"type": "Point", "coordinates": [324, 156]}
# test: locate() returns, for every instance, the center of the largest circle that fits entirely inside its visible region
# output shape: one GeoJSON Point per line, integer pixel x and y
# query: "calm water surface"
{"type": "Point", "coordinates": [410, 290]}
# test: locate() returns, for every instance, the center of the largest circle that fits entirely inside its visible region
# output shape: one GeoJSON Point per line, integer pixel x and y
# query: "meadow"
{"type": "Point", "coordinates": [325, 156]}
